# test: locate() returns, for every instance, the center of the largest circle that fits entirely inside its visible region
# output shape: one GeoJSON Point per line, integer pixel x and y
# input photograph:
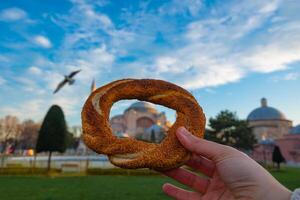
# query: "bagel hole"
{"type": "Point", "coordinates": [141, 120]}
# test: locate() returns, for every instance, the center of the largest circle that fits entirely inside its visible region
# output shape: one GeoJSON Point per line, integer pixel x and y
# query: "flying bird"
{"type": "Point", "coordinates": [68, 79]}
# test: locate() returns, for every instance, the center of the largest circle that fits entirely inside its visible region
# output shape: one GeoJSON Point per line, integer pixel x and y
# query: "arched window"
{"type": "Point", "coordinates": [144, 122]}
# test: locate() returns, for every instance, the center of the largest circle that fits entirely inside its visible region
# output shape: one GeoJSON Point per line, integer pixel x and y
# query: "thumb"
{"type": "Point", "coordinates": [208, 149]}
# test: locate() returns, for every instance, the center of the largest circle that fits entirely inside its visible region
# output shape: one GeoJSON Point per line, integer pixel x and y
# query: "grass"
{"type": "Point", "coordinates": [102, 187]}
{"type": "Point", "coordinates": [84, 187]}
{"type": "Point", "coordinates": [290, 177]}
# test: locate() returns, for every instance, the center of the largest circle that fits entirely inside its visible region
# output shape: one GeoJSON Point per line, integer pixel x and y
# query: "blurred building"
{"type": "Point", "coordinates": [141, 121]}
{"type": "Point", "coordinates": [290, 145]}
{"type": "Point", "coordinates": [268, 122]}
{"type": "Point", "coordinates": [271, 127]}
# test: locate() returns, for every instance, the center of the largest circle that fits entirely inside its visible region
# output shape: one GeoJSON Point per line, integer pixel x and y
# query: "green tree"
{"type": "Point", "coordinates": [152, 136]}
{"type": "Point", "coordinates": [53, 133]}
{"type": "Point", "coordinates": [226, 128]}
{"type": "Point", "coordinates": [70, 141]}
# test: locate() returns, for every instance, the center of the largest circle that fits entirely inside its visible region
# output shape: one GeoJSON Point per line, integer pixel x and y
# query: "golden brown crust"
{"type": "Point", "coordinates": [131, 153]}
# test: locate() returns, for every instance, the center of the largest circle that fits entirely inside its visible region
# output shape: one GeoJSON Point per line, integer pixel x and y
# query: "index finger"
{"type": "Point", "coordinates": [188, 178]}
{"type": "Point", "coordinates": [179, 193]}
{"type": "Point", "coordinates": [207, 149]}
{"type": "Point", "coordinates": [206, 166]}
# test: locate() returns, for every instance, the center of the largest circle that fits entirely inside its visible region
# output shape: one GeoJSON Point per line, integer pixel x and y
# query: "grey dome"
{"type": "Point", "coordinates": [265, 113]}
{"type": "Point", "coordinates": [295, 130]}
{"type": "Point", "coordinates": [142, 106]}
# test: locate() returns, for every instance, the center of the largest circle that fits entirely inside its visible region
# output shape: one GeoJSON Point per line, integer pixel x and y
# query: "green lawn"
{"type": "Point", "coordinates": [86, 187]}
{"type": "Point", "coordinates": [290, 177]}
{"type": "Point", "coordinates": [101, 187]}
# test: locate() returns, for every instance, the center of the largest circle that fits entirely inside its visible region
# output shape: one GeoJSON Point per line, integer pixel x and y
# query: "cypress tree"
{"type": "Point", "coordinates": [53, 133]}
{"type": "Point", "coordinates": [152, 136]}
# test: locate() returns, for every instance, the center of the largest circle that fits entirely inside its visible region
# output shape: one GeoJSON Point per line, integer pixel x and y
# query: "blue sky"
{"type": "Point", "coordinates": [229, 54]}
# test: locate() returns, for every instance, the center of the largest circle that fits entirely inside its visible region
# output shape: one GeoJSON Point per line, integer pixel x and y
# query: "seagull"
{"type": "Point", "coordinates": [68, 79]}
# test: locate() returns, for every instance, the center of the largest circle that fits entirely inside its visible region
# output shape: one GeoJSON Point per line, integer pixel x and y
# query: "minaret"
{"type": "Point", "coordinates": [93, 86]}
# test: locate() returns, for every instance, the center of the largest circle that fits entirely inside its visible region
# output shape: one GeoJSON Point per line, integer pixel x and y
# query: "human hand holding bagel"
{"type": "Point", "coordinates": [230, 173]}
{"type": "Point", "coordinates": [131, 153]}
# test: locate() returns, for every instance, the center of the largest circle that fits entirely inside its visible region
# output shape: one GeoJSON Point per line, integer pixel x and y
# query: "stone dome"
{"type": "Point", "coordinates": [265, 113]}
{"type": "Point", "coordinates": [295, 130]}
{"type": "Point", "coordinates": [142, 106]}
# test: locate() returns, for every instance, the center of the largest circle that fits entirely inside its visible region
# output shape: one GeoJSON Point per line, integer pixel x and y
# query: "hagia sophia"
{"type": "Point", "coordinates": [141, 121]}
{"type": "Point", "coordinates": [269, 125]}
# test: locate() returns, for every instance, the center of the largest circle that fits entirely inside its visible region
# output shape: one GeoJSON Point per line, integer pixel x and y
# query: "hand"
{"type": "Point", "coordinates": [230, 173]}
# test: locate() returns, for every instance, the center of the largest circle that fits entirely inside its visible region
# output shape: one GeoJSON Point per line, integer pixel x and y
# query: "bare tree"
{"type": "Point", "coordinates": [29, 133]}
{"type": "Point", "coordinates": [10, 129]}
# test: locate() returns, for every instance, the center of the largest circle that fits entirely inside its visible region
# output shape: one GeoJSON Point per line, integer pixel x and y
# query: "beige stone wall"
{"type": "Point", "coordinates": [270, 129]}
{"type": "Point", "coordinates": [131, 117]}
{"type": "Point", "coordinates": [118, 124]}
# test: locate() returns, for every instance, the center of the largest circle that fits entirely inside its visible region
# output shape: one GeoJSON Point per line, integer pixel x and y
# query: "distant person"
{"type": "Point", "coordinates": [277, 157]}
{"type": "Point", "coordinates": [231, 174]}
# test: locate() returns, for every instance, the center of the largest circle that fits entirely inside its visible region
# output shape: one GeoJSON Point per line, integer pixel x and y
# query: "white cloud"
{"type": "Point", "coordinates": [36, 107]}
{"type": "Point", "coordinates": [29, 84]}
{"type": "Point", "coordinates": [195, 31]}
{"type": "Point", "coordinates": [213, 76]}
{"type": "Point", "coordinates": [181, 7]}
{"type": "Point", "coordinates": [103, 19]}
{"type": "Point", "coordinates": [68, 104]}
{"type": "Point", "coordinates": [34, 70]}
{"type": "Point", "coordinates": [270, 6]}
{"type": "Point", "coordinates": [213, 55]}
{"type": "Point", "coordinates": [167, 64]}
{"type": "Point", "coordinates": [291, 76]}
{"type": "Point", "coordinates": [94, 62]}
{"type": "Point", "coordinates": [239, 20]}
{"type": "Point", "coordinates": [280, 47]}
{"type": "Point", "coordinates": [12, 14]}
{"type": "Point", "coordinates": [31, 109]}
{"type": "Point", "coordinates": [42, 41]}
{"type": "Point", "coordinates": [97, 56]}
{"type": "Point", "coordinates": [272, 57]}
{"type": "Point", "coordinates": [84, 25]}
{"type": "Point", "coordinates": [25, 80]}
{"type": "Point", "coordinates": [52, 79]}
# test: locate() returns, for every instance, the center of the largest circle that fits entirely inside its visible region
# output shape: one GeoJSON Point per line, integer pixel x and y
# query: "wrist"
{"type": "Point", "coordinates": [288, 195]}
{"type": "Point", "coordinates": [284, 194]}
{"type": "Point", "coordinates": [281, 193]}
